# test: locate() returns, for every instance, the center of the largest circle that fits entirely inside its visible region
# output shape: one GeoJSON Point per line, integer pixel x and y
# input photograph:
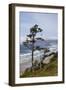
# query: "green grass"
{"type": "Point", "coordinates": [47, 70]}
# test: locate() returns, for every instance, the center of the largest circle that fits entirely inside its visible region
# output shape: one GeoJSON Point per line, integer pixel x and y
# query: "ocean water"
{"type": "Point", "coordinates": [48, 44]}
{"type": "Point", "coordinates": [26, 55]}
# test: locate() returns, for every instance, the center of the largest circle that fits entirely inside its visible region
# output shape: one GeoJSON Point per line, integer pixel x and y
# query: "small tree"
{"type": "Point", "coordinates": [33, 31]}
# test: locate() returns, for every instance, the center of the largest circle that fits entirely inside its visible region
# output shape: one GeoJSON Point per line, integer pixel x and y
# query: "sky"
{"type": "Point", "coordinates": [47, 21]}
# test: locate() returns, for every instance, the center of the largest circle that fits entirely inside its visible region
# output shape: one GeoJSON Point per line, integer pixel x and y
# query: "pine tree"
{"type": "Point", "coordinates": [33, 31]}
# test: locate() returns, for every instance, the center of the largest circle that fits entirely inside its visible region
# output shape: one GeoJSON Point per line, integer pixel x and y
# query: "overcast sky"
{"type": "Point", "coordinates": [47, 21]}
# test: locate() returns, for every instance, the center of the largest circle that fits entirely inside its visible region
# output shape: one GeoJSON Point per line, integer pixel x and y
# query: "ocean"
{"type": "Point", "coordinates": [47, 44]}
{"type": "Point", "coordinates": [26, 53]}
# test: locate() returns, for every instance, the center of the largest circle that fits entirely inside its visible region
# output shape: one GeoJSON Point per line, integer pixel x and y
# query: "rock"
{"type": "Point", "coordinates": [47, 59]}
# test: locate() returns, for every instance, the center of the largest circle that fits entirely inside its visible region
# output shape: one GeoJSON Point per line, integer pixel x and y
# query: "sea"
{"type": "Point", "coordinates": [47, 44]}
{"type": "Point", "coordinates": [26, 53]}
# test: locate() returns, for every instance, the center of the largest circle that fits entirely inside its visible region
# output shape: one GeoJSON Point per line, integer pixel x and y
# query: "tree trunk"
{"type": "Point", "coordinates": [32, 54]}
{"type": "Point", "coordinates": [40, 60]}
{"type": "Point", "coordinates": [32, 60]}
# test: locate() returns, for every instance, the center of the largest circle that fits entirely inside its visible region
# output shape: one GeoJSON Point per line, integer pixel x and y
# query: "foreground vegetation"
{"type": "Point", "coordinates": [50, 69]}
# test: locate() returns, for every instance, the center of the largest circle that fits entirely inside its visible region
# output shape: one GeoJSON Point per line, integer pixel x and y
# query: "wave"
{"type": "Point", "coordinates": [28, 57]}
{"type": "Point", "coordinates": [37, 55]}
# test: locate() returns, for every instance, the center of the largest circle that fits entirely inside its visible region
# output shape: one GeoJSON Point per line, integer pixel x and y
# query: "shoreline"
{"type": "Point", "coordinates": [46, 69]}
{"type": "Point", "coordinates": [28, 64]}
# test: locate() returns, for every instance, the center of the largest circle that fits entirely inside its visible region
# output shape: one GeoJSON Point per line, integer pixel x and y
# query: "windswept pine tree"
{"type": "Point", "coordinates": [33, 31]}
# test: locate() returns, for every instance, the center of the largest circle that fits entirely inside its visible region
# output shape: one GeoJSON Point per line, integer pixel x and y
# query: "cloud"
{"type": "Point", "coordinates": [22, 39]}
{"type": "Point", "coordinates": [48, 22]}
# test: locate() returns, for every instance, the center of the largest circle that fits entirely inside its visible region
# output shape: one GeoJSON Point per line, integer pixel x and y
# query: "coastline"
{"type": "Point", "coordinates": [49, 68]}
{"type": "Point", "coordinates": [28, 64]}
